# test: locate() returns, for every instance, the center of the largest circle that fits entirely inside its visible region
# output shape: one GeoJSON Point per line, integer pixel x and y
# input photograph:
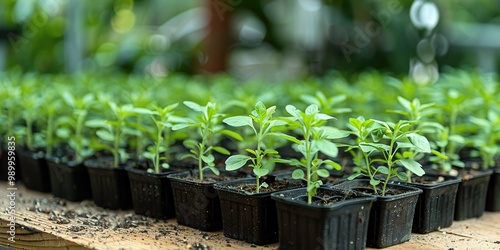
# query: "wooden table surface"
{"type": "Point", "coordinates": [45, 222]}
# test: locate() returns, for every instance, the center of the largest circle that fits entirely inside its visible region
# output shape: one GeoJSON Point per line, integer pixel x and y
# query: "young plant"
{"type": "Point", "coordinates": [112, 132]}
{"type": "Point", "coordinates": [379, 142]}
{"type": "Point", "coordinates": [444, 158]}
{"type": "Point", "coordinates": [486, 141]}
{"type": "Point", "coordinates": [261, 122]}
{"type": "Point", "coordinates": [163, 120]}
{"type": "Point", "coordinates": [207, 123]}
{"type": "Point", "coordinates": [315, 138]}
{"type": "Point", "coordinates": [30, 114]}
{"type": "Point", "coordinates": [416, 113]}
{"type": "Point", "coordinates": [51, 105]}
{"type": "Point", "coordinates": [72, 126]}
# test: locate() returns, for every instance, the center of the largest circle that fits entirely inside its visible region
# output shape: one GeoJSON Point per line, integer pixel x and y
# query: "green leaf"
{"type": "Point", "coordinates": [181, 126]}
{"type": "Point", "coordinates": [208, 158]}
{"type": "Point", "coordinates": [96, 124]}
{"type": "Point", "coordinates": [231, 134]}
{"type": "Point", "coordinates": [298, 174]}
{"type": "Point", "coordinates": [236, 162]}
{"type": "Point", "coordinates": [402, 176]}
{"type": "Point", "coordinates": [285, 136]}
{"type": "Point", "coordinates": [165, 165]}
{"type": "Point", "coordinates": [221, 150]}
{"type": "Point", "coordinates": [328, 148]}
{"type": "Point", "coordinates": [334, 133]}
{"type": "Point", "coordinates": [323, 117]}
{"type": "Point", "coordinates": [333, 164]}
{"type": "Point", "coordinates": [413, 166]}
{"type": "Point", "coordinates": [194, 106]}
{"type": "Point", "coordinates": [420, 142]}
{"type": "Point", "coordinates": [439, 154]}
{"type": "Point", "coordinates": [215, 170]}
{"type": "Point", "coordinates": [405, 103]}
{"type": "Point", "coordinates": [312, 110]}
{"type": "Point", "coordinates": [323, 173]}
{"type": "Point", "coordinates": [374, 182]}
{"type": "Point", "coordinates": [259, 172]}
{"type": "Point", "coordinates": [383, 170]}
{"type": "Point", "coordinates": [377, 134]}
{"type": "Point", "coordinates": [239, 121]}
{"type": "Point", "coordinates": [353, 176]}
{"type": "Point", "coordinates": [356, 123]}
{"type": "Point", "coordinates": [105, 135]}
{"type": "Point", "coordinates": [292, 110]}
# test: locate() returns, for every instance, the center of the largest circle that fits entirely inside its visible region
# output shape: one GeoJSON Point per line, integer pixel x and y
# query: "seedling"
{"type": "Point", "coordinates": [261, 122]}
{"type": "Point", "coordinates": [72, 126]}
{"type": "Point", "coordinates": [208, 125]}
{"type": "Point", "coordinates": [163, 120]}
{"type": "Point", "coordinates": [486, 141]}
{"type": "Point", "coordinates": [378, 142]}
{"type": "Point", "coordinates": [112, 132]}
{"type": "Point", "coordinates": [315, 138]}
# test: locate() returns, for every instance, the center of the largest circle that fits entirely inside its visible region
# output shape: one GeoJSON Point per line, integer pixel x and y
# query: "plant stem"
{"type": "Point", "coordinates": [116, 159]}
{"type": "Point", "coordinates": [200, 161]}
{"type": "Point", "coordinates": [78, 136]}
{"type": "Point", "coordinates": [156, 163]}
{"type": "Point", "coordinates": [29, 134]}
{"type": "Point", "coordinates": [50, 128]}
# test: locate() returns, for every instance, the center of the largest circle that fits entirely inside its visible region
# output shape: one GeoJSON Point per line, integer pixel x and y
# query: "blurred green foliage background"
{"type": "Point", "coordinates": [274, 39]}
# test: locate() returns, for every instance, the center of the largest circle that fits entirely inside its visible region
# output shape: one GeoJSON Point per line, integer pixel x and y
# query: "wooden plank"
{"type": "Point", "coordinates": [46, 222]}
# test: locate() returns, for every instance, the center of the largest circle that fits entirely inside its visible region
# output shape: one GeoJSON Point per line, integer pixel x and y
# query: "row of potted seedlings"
{"type": "Point", "coordinates": [267, 171]}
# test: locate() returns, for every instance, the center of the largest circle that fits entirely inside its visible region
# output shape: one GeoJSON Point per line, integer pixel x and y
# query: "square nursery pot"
{"type": "Point", "coordinates": [338, 225]}
{"type": "Point", "coordinates": [4, 165]}
{"type": "Point", "coordinates": [35, 171]}
{"type": "Point", "coordinates": [493, 197]}
{"type": "Point", "coordinates": [69, 180]}
{"type": "Point", "coordinates": [251, 217]}
{"type": "Point", "coordinates": [391, 215]}
{"type": "Point", "coordinates": [471, 194]}
{"type": "Point", "coordinates": [151, 193]}
{"type": "Point", "coordinates": [197, 204]}
{"type": "Point", "coordinates": [110, 185]}
{"type": "Point", "coordinates": [436, 205]}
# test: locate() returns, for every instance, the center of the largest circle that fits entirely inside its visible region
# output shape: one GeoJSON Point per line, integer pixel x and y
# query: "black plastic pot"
{"type": "Point", "coordinates": [249, 217]}
{"type": "Point", "coordinates": [35, 171]}
{"type": "Point", "coordinates": [436, 205]}
{"type": "Point", "coordinates": [69, 180]}
{"type": "Point", "coordinates": [151, 193]}
{"type": "Point", "coordinates": [391, 216]}
{"type": "Point", "coordinates": [471, 196]}
{"type": "Point", "coordinates": [197, 204]}
{"type": "Point", "coordinates": [4, 165]}
{"type": "Point", "coordinates": [493, 197]}
{"type": "Point", "coordinates": [340, 225]}
{"type": "Point", "coordinates": [110, 185]}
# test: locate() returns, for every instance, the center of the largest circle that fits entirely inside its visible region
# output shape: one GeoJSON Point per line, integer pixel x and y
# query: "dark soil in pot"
{"type": "Point", "coordinates": [151, 192]}
{"type": "Point", "coordinates": [391, 217]}
{"type": "Point", "coordinates": [493, 197]}
{"type": "Point", "coordinates": [110, 185]}
{"type": "Point", "coordinates": [436, 205]}
{"type": "Point", "coordinates": [34, 170]}
{"type": "Point", "coordinates": [197, 204]}
{"type": "Point", "coordinates": [69, 180]}
{"type": "Point", "coordinates": [250, 216]}
{"type": "Point", "coordinates": [337, 219]}
{"type": "Point", "coordinates": [471, 194]}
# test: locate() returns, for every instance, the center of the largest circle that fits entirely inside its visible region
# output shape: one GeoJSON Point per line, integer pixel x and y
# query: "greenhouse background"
{"type": "Point", "coordinates": [249, 124]}
{"type": "Point", "coordinates": [274, 39]}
